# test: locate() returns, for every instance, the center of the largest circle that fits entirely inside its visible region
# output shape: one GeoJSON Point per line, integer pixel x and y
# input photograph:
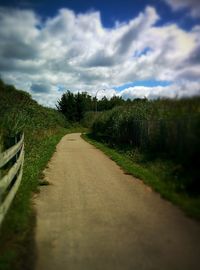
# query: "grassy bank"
{"type": "Point", "coordinates": [17, 233]}
{"type": "Point", "coordinates": [43, 129]}
{"type": "Point", "coordinates": [158, 174]}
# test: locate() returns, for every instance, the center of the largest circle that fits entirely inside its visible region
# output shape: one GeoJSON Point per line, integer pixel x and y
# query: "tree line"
{"type": "Point", "coordinates": [75, 105]}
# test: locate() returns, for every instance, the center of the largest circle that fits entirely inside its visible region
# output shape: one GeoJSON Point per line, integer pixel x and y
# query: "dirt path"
{"type": "Point", "coordinates": [93, 216]}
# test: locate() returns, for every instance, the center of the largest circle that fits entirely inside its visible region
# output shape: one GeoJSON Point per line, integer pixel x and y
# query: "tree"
{"type": "Point", "coordinates": [74, 106]}
{"type": "Point", "coordinates": [67, 106]}
{"type": "Point", "coordinates": [80, 106]}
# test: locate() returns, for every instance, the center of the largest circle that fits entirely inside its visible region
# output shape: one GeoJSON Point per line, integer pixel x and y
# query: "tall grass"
{"type": "Point", "coordinates": [167, 129]}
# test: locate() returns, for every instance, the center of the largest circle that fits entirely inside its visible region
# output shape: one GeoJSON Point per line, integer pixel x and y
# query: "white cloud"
{"type": "Point", "coordinates": [193, 5]}
{"type": "Point", "coordinates": [76, 51]}
{"type": "Point", "coordinates": [175, 90]}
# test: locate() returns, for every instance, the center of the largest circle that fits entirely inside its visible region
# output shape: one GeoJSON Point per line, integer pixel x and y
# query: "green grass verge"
{"type": "Point", "coordinates": [152, 174]}
{"type": "Point", "coordinates": [17, 249]}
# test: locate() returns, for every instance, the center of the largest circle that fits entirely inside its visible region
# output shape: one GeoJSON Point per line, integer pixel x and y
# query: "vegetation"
{"type": "Point", "coordinates": [157, 173]}
{"type": "Point", "coordinates": [75, 106]}
{"type": "Point", "coordinates": [163, 131]}
{"type": "Point", "coordinates": [167, 129]}
{"type": "Point", "coordinates": [157, 141]}
{"type": "Point", "coordinates": [43, 128]}
{"type": "Point", "coordinates": [161, 135]}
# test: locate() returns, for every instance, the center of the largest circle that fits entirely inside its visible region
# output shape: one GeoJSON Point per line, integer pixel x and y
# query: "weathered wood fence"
{"type": "Point", "coordinates": [10, 181]}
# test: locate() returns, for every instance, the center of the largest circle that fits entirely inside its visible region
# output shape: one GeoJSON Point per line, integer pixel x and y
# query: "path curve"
{"type": "Point", "coordinates": [95, 217]}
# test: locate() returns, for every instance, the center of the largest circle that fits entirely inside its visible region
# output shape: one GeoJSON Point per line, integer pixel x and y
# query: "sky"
{"type": "Point", "coordinates": [132, 49]}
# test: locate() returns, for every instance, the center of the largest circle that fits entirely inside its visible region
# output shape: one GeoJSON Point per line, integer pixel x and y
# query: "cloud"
{"type": "Point", "coordinates": [39, 88]}
{"type": "Point", "coordinates": [79, 53]}
{"type": "Point", "coordinates": [194, 57]}
{"type": "Point", "coordinates": [135, 28]}
{"type": "Point", "coordinates": [118, 44]}
{"type": "Point", "coordinates": [193, 5]}
{"type": "Point", "coordinates": [20, 51]}
{"type": "Point", "coordinates": [176, 90]}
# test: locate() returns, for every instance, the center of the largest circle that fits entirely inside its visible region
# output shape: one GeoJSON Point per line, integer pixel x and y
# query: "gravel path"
{"type": "Point", "coordinates": [95, 217]}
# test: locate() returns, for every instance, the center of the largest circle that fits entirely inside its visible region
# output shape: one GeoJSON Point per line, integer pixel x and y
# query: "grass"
{"type": "Point", "coordinates": [165, 129]}
{"type": "Point", "coordinates": [157, 174]}
{"type": "Point", "coordinates": [17, 230]}
{"type": "Point", "coordinates": [17, 250]}
{"type": "Point", "coordinates": [43, 128]}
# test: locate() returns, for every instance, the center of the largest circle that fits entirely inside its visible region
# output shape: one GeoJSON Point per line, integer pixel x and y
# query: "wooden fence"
{"type": "Point", "coordinates": [9, 183]}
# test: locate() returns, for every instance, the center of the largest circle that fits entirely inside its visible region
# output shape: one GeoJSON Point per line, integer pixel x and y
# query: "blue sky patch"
{"type": "Point", "coordinates": [61, 88]}
{"type": "Point", "coordinates": [146, 83]}
{"type": "Point", "coordinates": [145, 51]}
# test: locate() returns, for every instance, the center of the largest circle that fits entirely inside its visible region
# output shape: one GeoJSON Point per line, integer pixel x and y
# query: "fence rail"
{"type": "Point", "coordinates": [10, 182]}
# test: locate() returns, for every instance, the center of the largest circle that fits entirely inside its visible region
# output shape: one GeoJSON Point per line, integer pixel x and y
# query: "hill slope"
{"type": "Point", "coordinates": [43, 128]}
